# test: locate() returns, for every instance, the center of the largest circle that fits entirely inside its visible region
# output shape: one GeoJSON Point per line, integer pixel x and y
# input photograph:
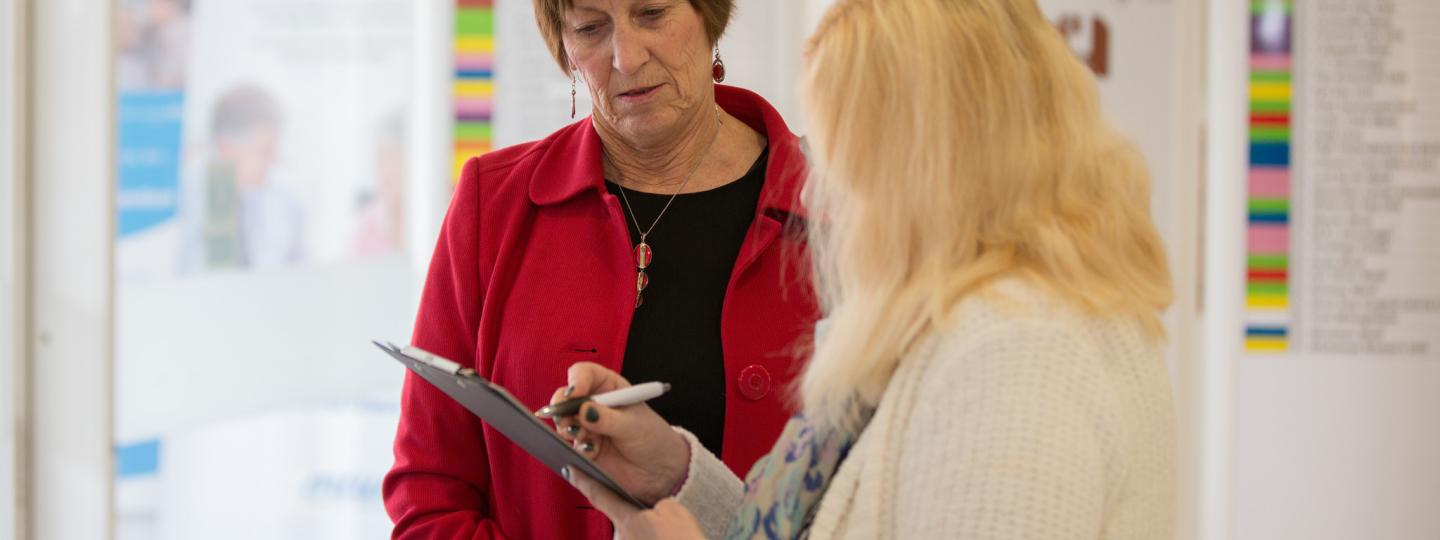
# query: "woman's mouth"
{"type": "Point", "coordinates": [639, 94]}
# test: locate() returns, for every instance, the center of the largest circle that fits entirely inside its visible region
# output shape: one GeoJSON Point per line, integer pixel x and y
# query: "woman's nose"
{"type": "Point", "coordinates": [630, 51]}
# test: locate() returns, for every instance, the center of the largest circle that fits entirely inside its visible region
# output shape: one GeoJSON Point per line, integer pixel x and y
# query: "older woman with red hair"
{"type": "Point", "coordinates": [658, 238]}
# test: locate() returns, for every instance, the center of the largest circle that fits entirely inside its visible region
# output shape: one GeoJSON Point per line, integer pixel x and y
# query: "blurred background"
{"type": "Point", "coordinates": [209, 207]}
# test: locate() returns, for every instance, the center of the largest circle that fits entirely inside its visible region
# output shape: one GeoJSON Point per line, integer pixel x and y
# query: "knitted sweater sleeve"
{"type": "Point", "coordinates": [1008, 438]}
{"type": "Point", "coordinates": [710, 491]}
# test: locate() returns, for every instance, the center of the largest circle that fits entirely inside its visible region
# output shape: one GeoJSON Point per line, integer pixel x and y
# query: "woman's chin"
{"type": "Point", "coordinates": [648, 126]}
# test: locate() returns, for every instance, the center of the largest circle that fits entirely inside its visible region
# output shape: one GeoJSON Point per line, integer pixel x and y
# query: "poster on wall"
{"type": "Point", "coordinates": [1268, 319]}
{"type": "Point", "coordinates": [474, 88]}
{"type": "Point", "coordinates": [258, 135]}
{"type": "Point", "coordinates": [262, 156]}
{"type": "Point", "coordinates": [1366, 191]}
{"type": "Point", "coordinates": [1344, 181]}
{"type": "Point", "coordinates": [151, 59]}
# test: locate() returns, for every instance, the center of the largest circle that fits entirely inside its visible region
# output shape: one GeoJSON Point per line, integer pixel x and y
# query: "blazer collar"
{"type": "Point", "coordinates": [571, 162]}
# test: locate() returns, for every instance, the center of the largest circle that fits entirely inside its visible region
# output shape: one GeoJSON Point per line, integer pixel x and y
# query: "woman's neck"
{"type": "Point", "coordinates": [715, 157]}
{"type": "Point", "coordinates": [665, 162]}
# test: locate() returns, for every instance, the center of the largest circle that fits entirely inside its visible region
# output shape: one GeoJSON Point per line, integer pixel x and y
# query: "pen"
{"type": "Point", "coordinates": [625, 396]}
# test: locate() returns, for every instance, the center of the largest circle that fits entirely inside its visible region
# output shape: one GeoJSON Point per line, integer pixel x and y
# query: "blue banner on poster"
{"type": "Point", "coordinates": [141, 459]}
{"type": "Point", "coordinates": [148, 159]}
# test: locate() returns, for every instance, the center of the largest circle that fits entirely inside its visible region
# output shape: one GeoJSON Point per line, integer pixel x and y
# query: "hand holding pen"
{"type": "Point", "coordinates": [630, 442]}
{"type": "Point", "coordinates": [639, 393]}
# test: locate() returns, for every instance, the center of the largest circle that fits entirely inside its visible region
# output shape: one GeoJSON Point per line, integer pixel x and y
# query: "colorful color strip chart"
{"type": "Point", "coordinates": [474, 90]}
{"type": "Point", "coordinates": [1267, 283]}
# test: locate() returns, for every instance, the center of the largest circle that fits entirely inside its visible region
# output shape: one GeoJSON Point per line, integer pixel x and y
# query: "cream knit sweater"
{"type": "Point", "coordinates": [1026, 420]}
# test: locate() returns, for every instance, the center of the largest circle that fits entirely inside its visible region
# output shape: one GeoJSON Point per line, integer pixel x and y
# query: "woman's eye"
{"type": "Point", "coordinates": [587, 29]}
{"type": "Point", "coordinates": [652, 13]}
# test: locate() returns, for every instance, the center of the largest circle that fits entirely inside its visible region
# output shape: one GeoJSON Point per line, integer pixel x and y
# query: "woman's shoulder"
{"type": "Point", "coordinates": [1013, 304]}
{"type": "Point", "coordinates": [501, 161]}
{"type": "Point", "coordinates": [1025, 302]}
{"type": "Point", "coordinates": [1022, 347]}
{"type": "Point", "coordinates": [1021, 321]}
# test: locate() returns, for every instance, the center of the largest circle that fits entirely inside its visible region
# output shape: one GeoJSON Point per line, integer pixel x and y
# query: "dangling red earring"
{"type": "Point", "coordinates": [573, 80]}
{"type": "Point", "coordinates": [717, 69]}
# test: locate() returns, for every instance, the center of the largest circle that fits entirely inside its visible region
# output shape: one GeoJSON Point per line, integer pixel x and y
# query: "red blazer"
{"type": "Point", "coordinates": [532, 273]}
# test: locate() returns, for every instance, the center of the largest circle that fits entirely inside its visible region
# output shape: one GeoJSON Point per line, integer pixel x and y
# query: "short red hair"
{"type": "Point", "coordinates": [550, 15]}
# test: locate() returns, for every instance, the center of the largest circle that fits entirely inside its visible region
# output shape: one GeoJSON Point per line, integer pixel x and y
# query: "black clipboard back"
{"type": "Point", "coordinates": [498, 409]}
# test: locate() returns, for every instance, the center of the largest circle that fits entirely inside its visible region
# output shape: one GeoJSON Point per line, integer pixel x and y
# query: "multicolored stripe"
{"type": "Point", "coordinates": [474, 89]}
{"type": "Point", "coordinates": [1267, 280]}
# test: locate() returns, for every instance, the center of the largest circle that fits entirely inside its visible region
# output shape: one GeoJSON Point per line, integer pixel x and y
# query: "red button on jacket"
{"type": "Point", "coordinates": [532, 273]}
{"type": "Point", "coordinates": [754, 382]}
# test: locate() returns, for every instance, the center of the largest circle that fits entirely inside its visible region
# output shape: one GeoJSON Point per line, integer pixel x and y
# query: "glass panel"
{"type": "Point", "coordinates": [8, 260]}
{"type": "Point", "coordinates": [261, 243]}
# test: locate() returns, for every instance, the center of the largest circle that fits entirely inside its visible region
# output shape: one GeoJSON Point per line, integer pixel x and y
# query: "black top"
{"type": "Point", "coordinates": [675, 335]}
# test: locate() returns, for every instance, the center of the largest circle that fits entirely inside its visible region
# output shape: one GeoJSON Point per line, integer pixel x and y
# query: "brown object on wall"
{"type": "Point", "coordinates": [1099, 60]}
{"type": "Point", "coordinates": [1098, 56]}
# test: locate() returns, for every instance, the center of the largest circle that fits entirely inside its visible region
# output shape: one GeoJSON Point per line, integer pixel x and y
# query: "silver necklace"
{"type": "Point", "coordinates": [644, 255]}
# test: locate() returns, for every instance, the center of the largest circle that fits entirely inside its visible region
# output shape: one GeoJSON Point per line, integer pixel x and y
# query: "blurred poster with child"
{"type": "Point", "coordinates": [271, 133]}
{"type": "Point", "coordinates": [261, 150]}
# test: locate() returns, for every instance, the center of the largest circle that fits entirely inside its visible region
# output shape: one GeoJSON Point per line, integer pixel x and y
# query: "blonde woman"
{"type": "Point", "coordinates": [992, 285]}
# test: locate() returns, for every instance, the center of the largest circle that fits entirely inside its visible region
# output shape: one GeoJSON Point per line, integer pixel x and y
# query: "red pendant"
{"type": "Point", "coordinates": [641, 281]}
{"type": "Point", "coordinates": [717, 71]}
{"type": "Point", "coordinates": [643, 255]}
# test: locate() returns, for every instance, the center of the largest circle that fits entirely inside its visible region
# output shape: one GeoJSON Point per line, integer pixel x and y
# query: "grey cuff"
{"type": "Point", "coordinates": [711, 492]}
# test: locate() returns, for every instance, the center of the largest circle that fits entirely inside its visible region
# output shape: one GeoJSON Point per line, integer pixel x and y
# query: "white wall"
{"type": "Point", "coordinates": [72, 213]}
{"type": "Point", "coordinates": [762, 52]}
{"type": "Point", "coordinates": [10, 260]}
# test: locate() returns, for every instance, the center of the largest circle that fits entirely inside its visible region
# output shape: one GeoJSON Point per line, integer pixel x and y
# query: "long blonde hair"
{"type": "Point", "coordinates": [956, 142]}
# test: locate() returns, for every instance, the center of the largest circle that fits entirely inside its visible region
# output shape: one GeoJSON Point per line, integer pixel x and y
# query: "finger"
{"type": "Point", "coordinates": [598, 423]}
{"type": "Point", "coordinates": [604, 500]}
{"type": "Point", "coordinates": [566, 426]}
{"type": "Point", "coordinates": [588, 445]}
{"type": "Point", "coordinates": [621, 424]}
{"type": "Point", "coordinates": [588, 378]}
{"type": "Point", "coordinates": [569, 430]}
{"type": "Point", "coordinates": [561, 394]}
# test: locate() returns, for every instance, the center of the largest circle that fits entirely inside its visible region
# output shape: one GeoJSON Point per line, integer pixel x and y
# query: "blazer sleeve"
{"type": "Point", "coordinates": [438, 485]}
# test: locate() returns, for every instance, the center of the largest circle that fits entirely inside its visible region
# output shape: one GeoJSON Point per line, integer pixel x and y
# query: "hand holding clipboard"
{"type": "Point", "coordinates": [502, 412]}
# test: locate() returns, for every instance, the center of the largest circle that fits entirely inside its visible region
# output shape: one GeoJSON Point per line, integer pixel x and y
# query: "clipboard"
{"type": "Point", "coordinates": [502, 412]}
